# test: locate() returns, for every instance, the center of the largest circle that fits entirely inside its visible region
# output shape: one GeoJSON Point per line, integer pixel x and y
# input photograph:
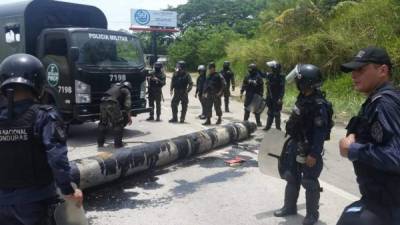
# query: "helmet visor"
{"type": "Point", "coordinates": [295, 73]}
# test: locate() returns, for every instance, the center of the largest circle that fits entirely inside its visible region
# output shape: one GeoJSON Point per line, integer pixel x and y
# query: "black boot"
{"type": "Point", "coordinates": [183, 113]}
{"type": "Point", "coordinates": [207, 122]}
{"type": "Point", "coordinates": [312, 205]}
{"type": "Point", "coordinates": [118, 134]}
{"type": "Point", "coordinates": [219, 121]}
{"type": "Point", "coordinates": [269, 122]}
{"type": "Point", "coordinates": [258, 120]}
{"type": "Point", "coordinates": [174, 119]}
{"type": "Point", "coordinates": [158, 118]}
{"type": "Point", "coordinates": [289, 206]}
{"type": "Point", "coordinates": [246, 115]}
{"type": "Point", "coordinates": [151, 118]}
{"type": "Point", "coordinates": [278, 121]}
{"type": "Point", "coordinates": [226, 107]}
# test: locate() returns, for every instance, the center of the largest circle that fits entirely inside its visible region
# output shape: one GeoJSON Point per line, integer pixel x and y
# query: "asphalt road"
{"type": "Point", "coordinates": [204, 189]}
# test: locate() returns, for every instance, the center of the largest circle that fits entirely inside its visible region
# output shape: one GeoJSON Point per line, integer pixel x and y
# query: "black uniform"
{"type": "Point", "coordinates": [156, 81]}
{"type": "Point", "coordinates": [199, 91]}
{"type": "Point", "coordinates": [275, 92]}
{"type": "Point", "coordinates": [306, 138]}
{"type": "Point", "coordinates": [252, 84]}
{"type": "Point", "coordinates": [111, 115]}
{"type": "Point", "coordinates": [181, 84]}
{"type": "Point", "coordinates": [376, 160]}
{"type": "Point", "coordinates": [229, 77]}
{"type": "Point", "coordinates": [213, 89]}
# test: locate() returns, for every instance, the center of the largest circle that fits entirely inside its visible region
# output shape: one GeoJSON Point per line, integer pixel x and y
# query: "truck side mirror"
{"type": "Point", "coordinates": [73, 53]}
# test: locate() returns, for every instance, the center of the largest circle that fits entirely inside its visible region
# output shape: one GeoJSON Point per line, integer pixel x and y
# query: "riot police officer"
{"type": "Point", "coordinates": [229, 77]}
{"type": "Point", "coordinates": [155, 81]}
{"type": "Point", "coordinates": [372, 142]}
{"type": "Point", "coordinates": [213, 89]}
{"type": "Point", "coordinates": [303, 149]}
{"type": "Point", "coordinates": [275, 92]}
{"type": "Point", "coordinates": [111, 115]}
{"type": "Point", "coordinates": [33, 156]}
{"type": "Point", "coordinates": [253, 85]}
{"type": "Point", "coordinates": [181, 85]}
{"type": "Point", "coordinates": [199, 88]}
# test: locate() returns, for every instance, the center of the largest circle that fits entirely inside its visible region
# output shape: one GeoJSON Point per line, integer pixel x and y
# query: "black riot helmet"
{"type": "Point", "coordinates": [181, 65]}
{"type": "Point", "coordinates": [252, 68]}
{"type": "Point", "coordinates": [127, 84]}
{"type": "Point", "coordinates": [226, 65]}
{"type": "Point", "coordinates": [201, 68]}
{"type": "Point", "coordinates": [22, 69]}
{"type": "Point", "coordinates": [275, 66]}
{"type": "Point", "coordinates": [307, 76]}
{"type": "Point", "coordinates": [158, 65]}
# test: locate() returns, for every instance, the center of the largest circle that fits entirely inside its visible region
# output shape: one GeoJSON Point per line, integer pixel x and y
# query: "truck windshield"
{"type": "Point", "coordinates": [102, 49]}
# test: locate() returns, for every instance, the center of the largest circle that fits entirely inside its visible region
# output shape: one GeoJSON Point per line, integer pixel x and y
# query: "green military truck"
{"type": "Point", "coordinates": [81, 57]}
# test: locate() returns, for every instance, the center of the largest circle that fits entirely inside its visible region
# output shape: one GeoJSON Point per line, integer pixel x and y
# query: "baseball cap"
{"type": "Point", "coordinates": [366, 56]}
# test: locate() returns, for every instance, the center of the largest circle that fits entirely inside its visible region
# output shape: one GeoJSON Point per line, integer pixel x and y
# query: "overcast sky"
{"type": "Point", "coordinates": [118, 11]}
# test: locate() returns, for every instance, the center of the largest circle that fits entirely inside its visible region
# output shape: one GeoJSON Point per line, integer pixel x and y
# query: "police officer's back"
{"type": "Point", "coordinates": [308, 127]}
{"type": "Point", "coordinates": [111, 116]}
{"type": "Point", "coordinates": [156, 81]}
{"type": "Point", "coordinates": [33, 154]}
{"type": "Point", "coordinates": [229, 77]}
{"type": "Point", "coordinates": [275, 91]}
{"type": "Point", "coordinates": [181, 85]}
{"type": "Point", "coordinates": [372, 142]}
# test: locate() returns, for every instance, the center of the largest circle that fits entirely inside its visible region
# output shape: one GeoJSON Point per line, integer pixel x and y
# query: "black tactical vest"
{"type": "Point", "coordinates": [23, 159]}
{"type": "Point", "coordinates": [180, 81]}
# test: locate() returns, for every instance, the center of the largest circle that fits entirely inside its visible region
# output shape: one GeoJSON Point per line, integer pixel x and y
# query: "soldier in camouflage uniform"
{"type": "Point", "coordinates": [111, 115]}
{"type": "Point", "coordinates": [199, 88]}
{"type": "Point", "coordinates": [212, 91]}
{"type": "Point", "coordinates": [156, 81]}
{"type": "Point", "coordinates": [181, 85]}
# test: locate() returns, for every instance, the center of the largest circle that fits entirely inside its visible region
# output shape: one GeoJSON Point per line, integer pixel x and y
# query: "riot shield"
{"type": "Point", "coordinates": [257, 104]}
{"type": "Point", "coordinates": [68, 213]}
{"type": "Point", "coordinates": [271, 146]}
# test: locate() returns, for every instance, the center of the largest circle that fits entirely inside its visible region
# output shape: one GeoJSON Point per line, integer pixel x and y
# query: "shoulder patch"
{"type": "Point", "coordinates": [377, 132]}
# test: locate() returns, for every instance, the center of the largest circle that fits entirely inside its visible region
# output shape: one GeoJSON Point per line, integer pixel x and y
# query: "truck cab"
{"type": "Point", "coordinates": [81, 57]}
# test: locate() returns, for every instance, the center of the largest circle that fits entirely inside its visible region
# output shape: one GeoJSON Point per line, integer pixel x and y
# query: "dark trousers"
{"type": "Point", "coordinates": [203, 105]}
{"type": "Point", "coordinates": [209, 102]}
{"type": "Point", "coordinates": [227, 94]}
{"type": "Point", "coordinates": [110, 117]}
{"type": "Point", "coordinates": [365, 212]}
{"type": "Point", "coordinates": [35, 213]}
{"type": "Point", "coordinates": [274, 112]}
{"type": "Point", "coordinates": [157, 99]}
{"type": "Point", "coordinates": [298, 175]}
{"type": "Point", "coordinates": [179, 97]}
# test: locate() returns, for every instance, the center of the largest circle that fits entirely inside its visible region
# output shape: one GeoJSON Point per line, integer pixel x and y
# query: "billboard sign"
{"type": "Point", "coordinates": [142, 17]}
